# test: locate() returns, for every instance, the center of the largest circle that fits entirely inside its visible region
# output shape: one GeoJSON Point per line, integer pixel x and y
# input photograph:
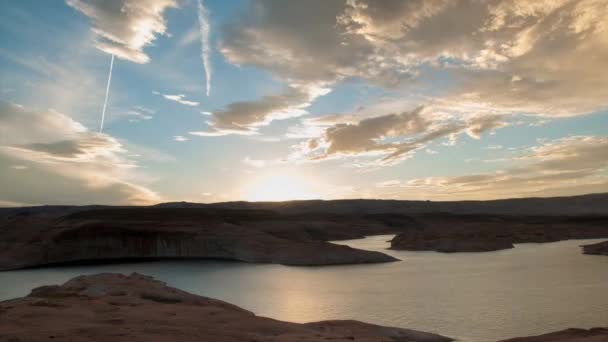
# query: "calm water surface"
{"type": "Point", "coordinates": [532, 289]}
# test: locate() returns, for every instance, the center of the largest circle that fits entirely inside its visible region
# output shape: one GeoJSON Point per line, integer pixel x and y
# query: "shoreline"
{"type": "Point", "coordinates": [138, 307]}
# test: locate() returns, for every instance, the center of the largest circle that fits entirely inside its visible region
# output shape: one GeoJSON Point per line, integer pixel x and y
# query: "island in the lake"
{"type": "Point", "coordinates": [291, 233]}
{"type": "Point", "coordinates": [116, 307]}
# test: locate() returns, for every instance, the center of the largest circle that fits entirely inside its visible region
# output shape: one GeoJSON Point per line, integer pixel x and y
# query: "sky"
{"type": "Point", "coordinates": [260, 100]}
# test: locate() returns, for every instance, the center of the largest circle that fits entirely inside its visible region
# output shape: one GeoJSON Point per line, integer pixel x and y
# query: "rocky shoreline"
{"type": "Point", "coordinates": [116, 307]}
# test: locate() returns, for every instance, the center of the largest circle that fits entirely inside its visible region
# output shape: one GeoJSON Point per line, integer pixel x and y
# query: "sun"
{"type": "Point", "coordinates": [278, 187]}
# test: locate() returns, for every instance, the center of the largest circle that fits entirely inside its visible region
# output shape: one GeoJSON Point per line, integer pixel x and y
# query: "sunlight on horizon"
{"type": "Point", "coordinates": [278, 187]}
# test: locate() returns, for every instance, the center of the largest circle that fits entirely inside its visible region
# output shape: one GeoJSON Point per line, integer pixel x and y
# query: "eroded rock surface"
{"type": "Point", "coordinates": [115, 234]}
{"type": "Point", "coordinates": [113, 307]}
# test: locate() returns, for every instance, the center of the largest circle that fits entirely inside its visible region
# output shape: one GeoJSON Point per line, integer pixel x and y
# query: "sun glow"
{"type": "Point", "coordinates": [278, 187]}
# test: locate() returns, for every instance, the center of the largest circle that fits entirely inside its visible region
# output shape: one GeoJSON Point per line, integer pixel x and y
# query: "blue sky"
{"type": "Point", "coordinates": [331, 99]}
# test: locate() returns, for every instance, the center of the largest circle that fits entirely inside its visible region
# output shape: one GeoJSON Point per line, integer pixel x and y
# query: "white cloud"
{"type": "Point", "coordinates": [180, 138]}
{"type": "Point", "coordinates": [137, 115]}
{"type": "Point", "coordinates": [124, 27]}
{"type": "Point", "coordinates": [179, 98]}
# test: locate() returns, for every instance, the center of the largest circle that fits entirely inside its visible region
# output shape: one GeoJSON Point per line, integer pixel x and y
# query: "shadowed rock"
{"type": "Point", "coordinates": [483, 233]}
{"type": "Point", "coordinates": [600, 248]}
{"type": "Point", "coordinates": [155, 233]}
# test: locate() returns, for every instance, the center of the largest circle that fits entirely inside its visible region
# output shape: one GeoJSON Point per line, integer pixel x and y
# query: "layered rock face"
{"type": "Point", "coordinates": [152, 233]}
{"type": "Point", "coordinates": [113, 307]}
{"type": "Point", "coordinates": [596, 248]}
{"type": "Point", "coordinates": [483, 233]}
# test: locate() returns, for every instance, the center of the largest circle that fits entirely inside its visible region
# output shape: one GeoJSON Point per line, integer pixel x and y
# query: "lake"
{"type": "Point", "coordinates": [475, 297]}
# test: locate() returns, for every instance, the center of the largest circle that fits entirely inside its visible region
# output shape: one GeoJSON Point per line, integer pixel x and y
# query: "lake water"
{"type": "Point", "coordinates": [531, 289]}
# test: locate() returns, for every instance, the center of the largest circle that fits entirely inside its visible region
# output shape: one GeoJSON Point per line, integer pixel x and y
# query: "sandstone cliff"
{"type": "Point", "coordinates": [153, 233]}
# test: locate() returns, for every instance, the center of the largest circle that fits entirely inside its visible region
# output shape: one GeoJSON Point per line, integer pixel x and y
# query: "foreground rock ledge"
{"type": "Point", "coordinates": [114, 307]}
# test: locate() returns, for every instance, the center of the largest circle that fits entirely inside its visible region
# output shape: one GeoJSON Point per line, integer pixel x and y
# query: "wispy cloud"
{"type": "Point", "coordinates": [180, 138]}
{"type": "Point", "coordinates": [570, 165]}
{"type": "Point", "coordinates": [204, 28]}
{"type": "Point", "coordinates": [179, 98]}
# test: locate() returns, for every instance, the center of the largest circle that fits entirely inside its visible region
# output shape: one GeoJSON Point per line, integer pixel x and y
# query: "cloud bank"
{"type": "Point", "coordinates": [564, 166]}
{"type": "Point", "coordinates": [544, 57]}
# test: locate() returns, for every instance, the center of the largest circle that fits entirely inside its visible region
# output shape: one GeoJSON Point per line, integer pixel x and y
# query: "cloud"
{"type": "Point", "coordinates": [66, 163]}
{"type": "Point", "coordinates": [124, 27]}
{"type": "Point", "coordinates": [203, 22]}
{"type": "Point", "coordinates": [179, 98]}
{"type": "Point", "coordinates": [484, 123]}
{"type": "Point", "coordinates": [180, 138]}
{"type": "Point", "coordinates": [393, 137]}
{"type": "Point", "coordinates": [247, 116]}
{"type": "Point", "coordinates": [543, 57]}
{"type": "Point", "coordinates": [254, 162]}
{"type": "Point", "coordinates": [269, 36]}
{"type": "Point", "coordinates": [572, 165]}
{"type": "Point", "coordinates": [137, 114]}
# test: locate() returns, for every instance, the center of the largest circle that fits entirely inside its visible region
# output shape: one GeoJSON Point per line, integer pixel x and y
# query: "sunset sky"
{"type": "Point", "coordinates": [274, 100]}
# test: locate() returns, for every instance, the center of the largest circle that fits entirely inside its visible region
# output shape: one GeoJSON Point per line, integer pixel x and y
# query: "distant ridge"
{"type": "Point", "coordinates": [589, 204]}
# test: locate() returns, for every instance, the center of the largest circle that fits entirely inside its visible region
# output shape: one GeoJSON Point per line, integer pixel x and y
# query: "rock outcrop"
{"type": "Point", "coordinates": [153, 233]}
{"type": "Point", "coordinates": [600, 248]}
{"type": "Point", "coordinates": [568, 335]}
{"type": "Point", "coordinates": [52, 235]}
{"type": "Point", "coordinates": [483, 233]}
{"type": "Point", "coordinates": [113, 307]}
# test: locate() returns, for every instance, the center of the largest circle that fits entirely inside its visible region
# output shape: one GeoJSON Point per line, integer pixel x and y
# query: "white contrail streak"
{"type": "Point", "coordinates": [203, 23]}
{"type": "Point", "coordinates": [105, 102]}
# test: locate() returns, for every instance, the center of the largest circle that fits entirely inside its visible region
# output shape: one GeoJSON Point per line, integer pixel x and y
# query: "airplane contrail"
{"type": "Point", "coordinates": [203, 23]}
{"type": "Point", "coordinates": [105, 102]}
